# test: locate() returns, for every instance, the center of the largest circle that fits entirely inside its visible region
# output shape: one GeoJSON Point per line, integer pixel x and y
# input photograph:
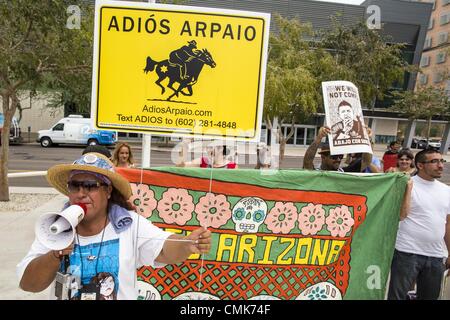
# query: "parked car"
{"type": "Point", "coordinates": [434, 143]}
{"type": "Point", "coordinates": [15, 134]}
{"type": "Point", "coordinates": [75, 130]}
{"type": "Point", "coordinates": [418, 143]}
{"type": "Point", "coordinates": [424, 143]}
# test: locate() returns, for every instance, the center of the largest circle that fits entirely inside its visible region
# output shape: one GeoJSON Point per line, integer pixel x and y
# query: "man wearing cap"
{"type": "Point", "coordinates": [109, 239]}
{"type": "Point", "coordinates": [182, 56]}
{"type": "Point", "coordinates": [330, 162]}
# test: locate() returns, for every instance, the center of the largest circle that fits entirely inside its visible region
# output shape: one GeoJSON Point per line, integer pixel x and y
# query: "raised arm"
{"type": "Point", "coordinates": [312, 149]}
{"type": "Point", "coordinates": [194, 163]}
{"type": "Point", "coordinates": [182, 157]}
{"type": "Point", "coordinates": [179, 251]}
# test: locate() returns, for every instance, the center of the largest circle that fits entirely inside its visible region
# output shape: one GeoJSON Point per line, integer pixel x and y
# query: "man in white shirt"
{"type": "Point", "coordinates": [420, 254]}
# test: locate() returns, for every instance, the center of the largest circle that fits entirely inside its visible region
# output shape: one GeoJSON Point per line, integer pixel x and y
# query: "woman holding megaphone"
{"type": "Point", "coordinates": [108, 238]}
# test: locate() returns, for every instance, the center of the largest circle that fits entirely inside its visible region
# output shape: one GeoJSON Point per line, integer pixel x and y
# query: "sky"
{"type": "Point", "coordinates": [345, 1]}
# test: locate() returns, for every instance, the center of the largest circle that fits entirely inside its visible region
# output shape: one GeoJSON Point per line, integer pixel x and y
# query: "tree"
{"type": "Point", "coordinates": [424, 103]}
{"type": "Point", "coordinates": [375, 62]}
{"type": "Point", "coordinates": [37, 51]}
{"type": "Point", "coordinates": [294, 73]}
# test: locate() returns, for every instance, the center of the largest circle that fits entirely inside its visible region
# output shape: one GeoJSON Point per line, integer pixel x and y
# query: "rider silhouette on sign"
{"type": "Point", "coordinates": [182, 56]}
{"type": "Point", "coordinates": [175, 68]}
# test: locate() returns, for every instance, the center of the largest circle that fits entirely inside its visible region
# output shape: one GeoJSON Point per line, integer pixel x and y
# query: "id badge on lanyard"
{"type": "Point", "coordinates": [90, 291]}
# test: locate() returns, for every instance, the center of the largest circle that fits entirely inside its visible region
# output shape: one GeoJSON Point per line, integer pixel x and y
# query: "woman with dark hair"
{"type": "Point", "coordinates": [405, 162]}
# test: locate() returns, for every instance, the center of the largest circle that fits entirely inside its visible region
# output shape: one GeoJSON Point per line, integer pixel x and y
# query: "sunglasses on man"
{"type": "Point", "coordinates": [88, 185]}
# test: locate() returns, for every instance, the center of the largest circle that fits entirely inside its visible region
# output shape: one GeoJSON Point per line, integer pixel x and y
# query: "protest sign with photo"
{"type": "Point", "coordinates": [345, 118]}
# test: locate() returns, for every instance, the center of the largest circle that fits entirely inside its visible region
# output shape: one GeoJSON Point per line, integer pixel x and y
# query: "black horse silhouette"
{"type": "Point", "coordinates": [165, 69]}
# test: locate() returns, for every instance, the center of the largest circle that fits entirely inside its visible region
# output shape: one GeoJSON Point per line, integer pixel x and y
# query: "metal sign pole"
{"type": "Point", "coordinates": [146, 140]}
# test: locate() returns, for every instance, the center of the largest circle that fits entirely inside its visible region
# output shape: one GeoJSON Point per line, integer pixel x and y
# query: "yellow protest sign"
{"type": "Point", "coordinates": [165, 69]}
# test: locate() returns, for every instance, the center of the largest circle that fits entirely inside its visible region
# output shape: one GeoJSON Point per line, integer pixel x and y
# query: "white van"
{"type": "Point", "coordinates": [75, 130]}
{"type": "Point", "coordinates": [15, 134]}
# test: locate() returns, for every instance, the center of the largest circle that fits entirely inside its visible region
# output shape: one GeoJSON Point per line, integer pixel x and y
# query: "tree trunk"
{"type": "Point", "coordinates": [10, 102]}
{"type": "Point", "coordinates": [4, 151]}
{"type": "Point", "coordinates": [428, 129]}
{"type": "Point", "coordinates": [282, 148]}
{"type": "Point", "coordinates": [4, 186]}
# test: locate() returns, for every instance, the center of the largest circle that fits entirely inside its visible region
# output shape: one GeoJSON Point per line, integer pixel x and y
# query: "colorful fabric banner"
{"type": "Point", "coordinates": [295, 234]}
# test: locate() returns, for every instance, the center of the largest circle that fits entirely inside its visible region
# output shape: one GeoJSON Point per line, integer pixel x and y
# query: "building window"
{"type": "Point", "coordinates": [431, 24]}
{"type": "Point", "coordinates": [438, 77]}
{"type": "Point", "coordinates": [384, 138]}
{"type": "Point", "coordinates": [444, 19]}
{"type": "Point", "coordinates": [423, 79]}
{"type": "Point", "coordinates": [428, 42]}
{"type": "Point", "coordinates": [441, 57]}
{"type": "Point", "coordinates": [442, 38]}
{"type": "Point", "coordinates": [425, 61]}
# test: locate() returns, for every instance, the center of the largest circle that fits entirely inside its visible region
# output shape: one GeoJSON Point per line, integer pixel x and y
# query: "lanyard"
{"type": "Point", "coordinates": [99, 249]}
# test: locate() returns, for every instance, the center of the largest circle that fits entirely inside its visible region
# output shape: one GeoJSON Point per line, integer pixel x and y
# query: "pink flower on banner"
{"type": "Point", "coordinates": [213, 211]}
{"type": "Point", "coordinates": [143, 198]}
{"type": "Point", "coordinates": [282, 217]}
{"type": "Point", "coordinates": [176, 206]}
{"type": "Point", "coordinates": [311, 219]}
{"type": "Point", "coordinates": [339, 221]}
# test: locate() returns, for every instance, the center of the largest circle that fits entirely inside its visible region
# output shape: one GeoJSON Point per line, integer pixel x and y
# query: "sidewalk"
{"type": "Point", "coordinates": [17, 235]}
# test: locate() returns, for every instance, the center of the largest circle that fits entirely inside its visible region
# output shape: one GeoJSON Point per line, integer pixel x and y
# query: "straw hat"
{"type": "Point", "coordinates": [58, 175]}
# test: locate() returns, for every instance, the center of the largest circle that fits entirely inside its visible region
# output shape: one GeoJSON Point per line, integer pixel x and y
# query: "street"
{"type": "Point", "coordinates": [32, 157]}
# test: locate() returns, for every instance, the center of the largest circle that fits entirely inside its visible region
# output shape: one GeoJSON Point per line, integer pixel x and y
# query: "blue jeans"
{"type": "Point", "coordinates": [410, 268]}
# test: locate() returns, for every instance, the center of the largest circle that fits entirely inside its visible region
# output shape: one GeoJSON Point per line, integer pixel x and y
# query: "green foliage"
{"type": "Point", "coordinates": [300, 60]}
{"type": "Point", "coordinates": [423, 103]}
{"type": "Point", "coordinates": [291, 90]}
{"type": "Point", "coordinates": [37, 51]}
{"type": "Point", "coordinates": [374, 62]}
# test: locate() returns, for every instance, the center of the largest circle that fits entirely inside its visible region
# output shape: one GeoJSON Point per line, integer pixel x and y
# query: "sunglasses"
{"type": "Point", "coordinates": [434, 161]}
{"type": "Point", "coordinates": [89, 185]}
{"type": "Point", "coordinates": [405, 159]}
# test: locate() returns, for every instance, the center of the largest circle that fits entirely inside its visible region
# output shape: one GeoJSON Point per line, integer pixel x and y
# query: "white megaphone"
{"type": "Point", "coordinates": [57, 230]}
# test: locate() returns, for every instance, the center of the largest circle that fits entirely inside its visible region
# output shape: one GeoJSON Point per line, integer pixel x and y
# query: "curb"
{"type": "Point", "coordinates": [30, 190]}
